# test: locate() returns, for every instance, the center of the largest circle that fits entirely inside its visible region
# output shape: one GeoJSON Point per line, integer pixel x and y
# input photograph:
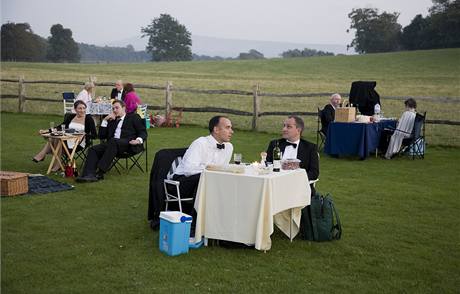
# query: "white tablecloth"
{"type": "Point", "coordinates": [243, 207]}
{"type": "Point", "coordinates": [101, 108]}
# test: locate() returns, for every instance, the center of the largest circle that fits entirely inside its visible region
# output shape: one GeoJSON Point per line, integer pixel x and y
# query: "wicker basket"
{"type": "Point", "coordinates": [13, 183]}
{"type": "Point", "coordinates": [345, 114]}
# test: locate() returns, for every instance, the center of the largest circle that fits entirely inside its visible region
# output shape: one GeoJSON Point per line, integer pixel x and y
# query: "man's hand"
{"type": "Point", "coordinates": [111, 116]}
{"type": "Point", "coordinates": [135, 142]}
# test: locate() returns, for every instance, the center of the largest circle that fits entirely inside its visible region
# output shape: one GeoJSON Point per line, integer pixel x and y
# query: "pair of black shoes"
{"type": "Point", "coordinates": [91, 178]}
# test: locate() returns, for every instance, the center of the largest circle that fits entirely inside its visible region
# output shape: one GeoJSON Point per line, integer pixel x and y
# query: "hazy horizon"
{"type": "Point", "coordinates": [292, 21]}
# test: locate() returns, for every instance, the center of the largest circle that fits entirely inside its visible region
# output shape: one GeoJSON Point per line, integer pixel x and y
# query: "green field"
{"type": "Point", "coordinates": [434, 73]}
{"type": "Point", "coordinates": [400, 221]}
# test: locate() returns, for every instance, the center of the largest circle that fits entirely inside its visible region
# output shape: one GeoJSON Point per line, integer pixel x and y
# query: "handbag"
{"type": "Point", "coordinates": [320, 220]}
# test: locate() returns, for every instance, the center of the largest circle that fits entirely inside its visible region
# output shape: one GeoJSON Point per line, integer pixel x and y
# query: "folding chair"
{"type": "Point", "coordinates": [172, 191]}
{"type": "Point", "coordinates": [320, 136]}
{"type": "Point", "coordinates": [158, 173]}
{"type": "Point", "coordinates": [131, 160]}
{"type": "Point", "coordinates": [415, 144]}
{"type": "Point", "coordinates": [68, 99]}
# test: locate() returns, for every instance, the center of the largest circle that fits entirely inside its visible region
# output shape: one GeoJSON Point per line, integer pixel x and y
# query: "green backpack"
{"type": "Point", "coordinates": [320, 220]}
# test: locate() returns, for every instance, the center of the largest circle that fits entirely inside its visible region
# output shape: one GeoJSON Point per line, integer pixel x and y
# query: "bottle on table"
{"type": "Point", "coordinates": [75, 170]}
{"type": "Point", "coordinates": [277, 158]}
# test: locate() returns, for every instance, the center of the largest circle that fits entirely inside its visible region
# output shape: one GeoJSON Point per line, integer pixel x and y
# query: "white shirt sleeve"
{"type": "Point", "coordinates": [193, 161]}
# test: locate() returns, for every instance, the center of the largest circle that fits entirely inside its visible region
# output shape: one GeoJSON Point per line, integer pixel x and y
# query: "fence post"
{"type": "Point", "coordinates": [93, 79]}
{"type": "Point", "coordinates": [256, 106]}
{"type": "Point", "coordinates": [168, 97]}
{"type": "Point", "coordinates": [21, 94]}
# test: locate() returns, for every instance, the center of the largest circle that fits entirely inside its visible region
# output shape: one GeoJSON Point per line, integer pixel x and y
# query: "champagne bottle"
{"type": "Point", "coordinates": [75, 170]}
{"type": "Point", "coordinates": [276, 158]}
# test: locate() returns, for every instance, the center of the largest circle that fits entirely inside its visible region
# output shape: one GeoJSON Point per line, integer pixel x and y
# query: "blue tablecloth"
{"type": "Point", "coordinates": [355, 138]}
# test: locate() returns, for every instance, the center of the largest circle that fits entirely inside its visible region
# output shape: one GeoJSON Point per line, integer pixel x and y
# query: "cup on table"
{"type": "Point", "coordinates": [63, 128]}
{"type": "Point", "coordinates": [237, 158]}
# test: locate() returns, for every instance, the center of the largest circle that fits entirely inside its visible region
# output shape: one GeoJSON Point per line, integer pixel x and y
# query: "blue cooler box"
{"type": "Point", "coordinates": [174, 232]}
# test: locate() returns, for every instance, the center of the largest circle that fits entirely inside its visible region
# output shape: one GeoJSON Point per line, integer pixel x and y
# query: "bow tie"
{"type": "Point", "coordinates": [292, 144]}
{"type": "Point", "coordinates": [220, 146]}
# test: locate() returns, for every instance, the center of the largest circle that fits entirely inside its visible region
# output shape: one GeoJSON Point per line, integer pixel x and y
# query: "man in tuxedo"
{"type": "Point", "coordinates": [118, 92]}
{"type": "Point", "coordinates": [122, 132]}
{"type": "Point", "coordinates": [328, 112]}
{"type": "Point", "coordinates": [292, 146]}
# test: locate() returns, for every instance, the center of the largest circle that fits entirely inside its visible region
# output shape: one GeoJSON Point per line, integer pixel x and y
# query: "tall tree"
{"type": "Point", "coordinates": [19, 43]}
{"type": "Point", "coordinates": [62, 47]}
{"type": "Point", "coordinates": [374, 32]}
{"type": "Point", "coordinates": [439, 29]}
{"type": "Point", "coordinates": [168, 39]}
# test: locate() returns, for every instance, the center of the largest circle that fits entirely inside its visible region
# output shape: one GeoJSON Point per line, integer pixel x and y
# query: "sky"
{"type": "Point", "coordinates": [299, 21]}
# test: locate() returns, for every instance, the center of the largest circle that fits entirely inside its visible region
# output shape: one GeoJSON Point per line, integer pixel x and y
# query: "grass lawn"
{"type": "Point", "coordinates": [400, 221]}
{"type": "Point", "coordinates": [434, 73]}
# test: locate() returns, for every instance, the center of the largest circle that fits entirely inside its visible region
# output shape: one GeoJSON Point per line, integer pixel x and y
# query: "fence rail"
{"type": "Point", "coordinates": [169, 89]}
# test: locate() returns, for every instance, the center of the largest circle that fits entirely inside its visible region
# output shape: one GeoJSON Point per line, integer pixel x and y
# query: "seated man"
{"type": "Point", "coordinates": [118, 92]}
{"type": "Point", "coordinates": [292, 146]}
{"type": "Point", "coordinates": [328, 112]}
{"type": "Point", "coordinates": [122, 132]}
{"type": "Point", "coordinates": [214, 149]}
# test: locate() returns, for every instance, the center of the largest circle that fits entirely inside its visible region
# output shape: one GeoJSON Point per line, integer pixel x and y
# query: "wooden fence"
{"type": "Point", "coordinates": [169, 89]}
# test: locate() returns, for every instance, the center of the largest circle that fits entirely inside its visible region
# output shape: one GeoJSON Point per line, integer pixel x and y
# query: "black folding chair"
{"type": "Point", "coordinates": [131, 160]}
{"type": "Point", "coordinates": [320, 136]}
{"type": "Point", "coordinates": [415, 144]}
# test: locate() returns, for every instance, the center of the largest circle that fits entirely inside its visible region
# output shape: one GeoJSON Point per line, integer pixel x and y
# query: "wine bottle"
{"type": "Point", "coordinates": [276, 158]}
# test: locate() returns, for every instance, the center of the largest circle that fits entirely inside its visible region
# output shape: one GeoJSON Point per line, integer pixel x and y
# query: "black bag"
{"type": "Point", "coordinates": [320, 220]}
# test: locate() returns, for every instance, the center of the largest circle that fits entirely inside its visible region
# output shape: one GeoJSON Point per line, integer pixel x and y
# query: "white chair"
{"type": "Point", "coordinates": [68, 99]}
{"type": "Point", "coordinates": [174, 194]}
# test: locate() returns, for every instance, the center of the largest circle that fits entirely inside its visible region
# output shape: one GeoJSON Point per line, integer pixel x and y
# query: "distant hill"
{"type": "Point", "coordinates": [211, 46]}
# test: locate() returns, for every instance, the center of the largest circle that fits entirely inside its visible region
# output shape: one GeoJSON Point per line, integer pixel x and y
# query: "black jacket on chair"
{"type": "Point", "coordinates": [307, 153]}
{"type": "Point", "coordinates": [114, 94]}
{"type": "Point", "coordinates": [364, 95]}
{"type": "Point", "coordinates": [132, 128]}
{"type": "Point", "coordinates": [160, 168]}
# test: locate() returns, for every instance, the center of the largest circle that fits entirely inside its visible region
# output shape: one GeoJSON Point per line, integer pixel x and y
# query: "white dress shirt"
{"type": "Point", "coordinates": [290, 152]}
{"type": "Point", "coordinates": [119, 93]}
{"type": "Point", "coordinates": [202, 152]}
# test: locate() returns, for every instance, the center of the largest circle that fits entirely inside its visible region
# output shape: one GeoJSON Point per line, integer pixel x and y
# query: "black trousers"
{"type": "Point", "coordinates": [101, 156]}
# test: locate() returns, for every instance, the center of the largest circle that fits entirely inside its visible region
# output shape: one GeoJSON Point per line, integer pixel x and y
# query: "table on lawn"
{"type": "Point", "coordinates": [61, 145]}
{"type": "Point", "coordinates": [355, 138]}
{"type": "Point", "coordinates": [244, 207]}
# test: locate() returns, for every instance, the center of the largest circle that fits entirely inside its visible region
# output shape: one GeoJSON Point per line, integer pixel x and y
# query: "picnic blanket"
{"type": "Point", "coordinates": [39, 184]}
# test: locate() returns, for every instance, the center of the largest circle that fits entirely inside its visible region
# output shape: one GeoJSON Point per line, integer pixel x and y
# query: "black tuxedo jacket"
{"type": "Point", "coordinates": [306, 153]}
{"type": "Point", "coordinates": [132, 128]}
{"type": "Point", "coordinates": [114, 94]}
{"type": "Point", "coordinates": [327, 116]}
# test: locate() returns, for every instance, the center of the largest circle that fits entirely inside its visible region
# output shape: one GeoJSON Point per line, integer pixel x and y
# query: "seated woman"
{"type": "Point", "coordinates": [403, 129]}
{"type": "Point", "coordinates": [131, 98]}
{"type": "Point", "coordinates": [80, 122]}
{"type": "Point", "coordinates": [85, 94]}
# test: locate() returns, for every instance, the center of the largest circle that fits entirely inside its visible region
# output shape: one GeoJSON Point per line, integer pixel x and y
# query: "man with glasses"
{"type": "Point", "coordinates": [122, 132]}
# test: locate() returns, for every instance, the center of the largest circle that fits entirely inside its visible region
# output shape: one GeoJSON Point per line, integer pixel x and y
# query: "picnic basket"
{"type": "Point", "coordinates": [13, 183]}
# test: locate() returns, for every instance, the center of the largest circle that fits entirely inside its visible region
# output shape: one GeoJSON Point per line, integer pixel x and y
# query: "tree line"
{"type": "Point", "coordinates": [168, 40]}
{"type": "Point", "coordinates": [381, 32]}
